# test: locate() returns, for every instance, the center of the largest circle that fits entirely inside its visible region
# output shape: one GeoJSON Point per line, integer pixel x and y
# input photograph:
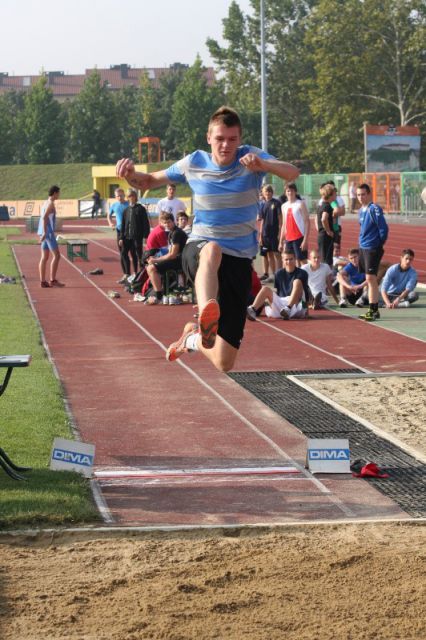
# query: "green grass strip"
{"type": "Point", "coordinates": [32, 414]}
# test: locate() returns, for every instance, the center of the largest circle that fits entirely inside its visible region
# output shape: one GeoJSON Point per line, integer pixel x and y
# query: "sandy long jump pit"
{"type": "Point", "coordinates": [363, 580]}
{"type": "Point", "coordinates": [351, 581]}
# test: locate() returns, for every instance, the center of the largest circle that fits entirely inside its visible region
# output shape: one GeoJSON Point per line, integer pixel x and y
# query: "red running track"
{"type": "Point", "coordinates": [142, 412]}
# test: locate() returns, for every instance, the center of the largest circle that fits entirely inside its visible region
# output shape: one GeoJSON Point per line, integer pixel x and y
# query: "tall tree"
{"type": "Point", "coordinates": [193, 104]}
{"type": "Point", "coordinates": [92, 123]}
{"type": "Point", "coordinates": [369, 65]}
{"type": "Point", "coordinates": [288, 66]}
{"type": "Point", "coordinates": [42, 125]}
{"type": "Point", "coordinates": [239, 63]}
{"type": "Point", "coordinates": [7, 131]}
{"type": "Point", "coordinates": [128, 126]}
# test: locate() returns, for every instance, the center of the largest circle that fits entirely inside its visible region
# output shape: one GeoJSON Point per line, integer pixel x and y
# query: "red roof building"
{"type": "Point", "coordinates": [116, 77]}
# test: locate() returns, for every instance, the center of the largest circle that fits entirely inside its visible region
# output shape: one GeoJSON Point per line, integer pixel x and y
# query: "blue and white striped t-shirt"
{"type": "Point", "coordinates": [225, 200]}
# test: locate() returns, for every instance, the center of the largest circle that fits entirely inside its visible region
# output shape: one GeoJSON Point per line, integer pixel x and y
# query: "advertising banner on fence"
{"type": "Point", "coordinates": [390, 148]}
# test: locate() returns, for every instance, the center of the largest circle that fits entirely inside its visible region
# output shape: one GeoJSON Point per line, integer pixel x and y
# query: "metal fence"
{"type": "Point", "coordinates": [398, 193]}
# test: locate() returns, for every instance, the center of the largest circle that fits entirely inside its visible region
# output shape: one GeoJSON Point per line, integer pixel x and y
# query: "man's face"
{"type": "Point", "coordinates": [181, 222]}
{"type": "Point", "coordinates": [171, 190]}
{"type": "Point", "coordinates": [119, 195]}
{"type": "Point", "coordinates": [363, 196]}
{"type": "Point", "coordinates": [132, 197]}
{"type": "Point", "coordinates": [267, 194]}
{"type": "Point", "coordinates": [354, 260]}
{"type": "Point", "coordinates": [224, 142]}
{"type": "Point", "coordinates": [406, 261]}
{"type": "Point", "coordinates": [289, 262]}
{"type": "Point", "coordinates": [291, 194]}
{"type": "Point", "coordinates": [169, 225]}
{"type": "Point", "coordinates": [314, 259]}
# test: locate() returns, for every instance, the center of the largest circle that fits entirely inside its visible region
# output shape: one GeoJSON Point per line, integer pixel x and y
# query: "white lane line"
{"type": "Point", "coordinates": [313, 346]}
{"type": "Point", "coordinates": [346, 510]}
{"type": "Point", "coordinates": [96, 491]}
{"type": "Point", "coordinates": [103, 246]}
{"type": "Point", "coordinates": [187, 473]}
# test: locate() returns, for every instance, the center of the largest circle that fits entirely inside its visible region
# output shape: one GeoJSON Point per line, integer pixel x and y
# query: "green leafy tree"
{"type": "Point", "coordinates": [289, 116]}
{"type": "Point", "coordinates": [42, 125]}
{"type": "Point", "coordinates": [128, 122]}
{"type": "Point", "coordinates": [92, 124]}
{"type": "Point", "coordinates": [7, 131]}
{"type": "Point", "coordinates": [369, 66]}
{"type": "Point", "coordinates": [193, 104]}
{"type": "Point", "coordinates": [239, 64]}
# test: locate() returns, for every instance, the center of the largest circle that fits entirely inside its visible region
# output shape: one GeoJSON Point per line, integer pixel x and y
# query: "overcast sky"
{"type": "Point", "coordinates": [74, 35]}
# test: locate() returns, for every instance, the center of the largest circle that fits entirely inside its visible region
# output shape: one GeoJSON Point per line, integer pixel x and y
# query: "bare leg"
{"type": "Point", "coordinates": [154, 276]}
{"type": "Point", "coordinates": [296, 293]}
{"type": "Point", "coordinates": [206, 279]}
{"type": "Point", "coordinates": [42, 264]}
{"type": "Point", "coordinates": [265, 261]}
{"type": "Point", "coordinates": [54, 264]}
{"type": "Point", "coordinates": [264, 294]}
{"type": "Point", "coordinates": [373, 288]}
{"type": "Point", "coordinates": [222, 356]}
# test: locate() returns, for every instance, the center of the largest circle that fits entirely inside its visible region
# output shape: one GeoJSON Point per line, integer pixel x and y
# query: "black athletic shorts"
{"type": "Point", "coordinates": [174, 264]}
{"type": "Point", "coordinates": [268, 244]}
{"type": "Point", "coordinates": [294, 246]}
{"type": "Point", "coordinates": [369, 260]}
{"type": "Point", "coordinates": [234, 289]}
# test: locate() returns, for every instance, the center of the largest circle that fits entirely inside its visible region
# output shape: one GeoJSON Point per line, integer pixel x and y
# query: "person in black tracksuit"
{"type": "Point", "coordinates": [134, 229]}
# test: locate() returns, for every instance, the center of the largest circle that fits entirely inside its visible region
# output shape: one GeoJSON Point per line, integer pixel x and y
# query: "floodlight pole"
{"type": "Point", "coordinates": [264, 116]}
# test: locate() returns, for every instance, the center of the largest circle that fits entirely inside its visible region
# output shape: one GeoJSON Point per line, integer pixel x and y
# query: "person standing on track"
{"type": "Point", "coordinates": [218, 254]}
{"type": "Point", "coordinates": [117, 209]}
{"type": "Point", "coordinates": [296, 225]}
{"type": "Point", "coordinates": [49, 244]}
{"type": "Point", "coordinates": [372, 236]}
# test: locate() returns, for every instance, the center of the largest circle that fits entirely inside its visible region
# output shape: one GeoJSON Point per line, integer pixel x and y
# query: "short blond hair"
{"type": "Point", "coordinates": [327, 190]}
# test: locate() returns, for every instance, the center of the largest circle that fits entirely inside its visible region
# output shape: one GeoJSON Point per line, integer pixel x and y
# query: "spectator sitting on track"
{"type": "Point", "coordinates": [399, 283]}
{"type": "Point", "coordinates": [320, 281]}
{"type": "Point", "coordinates": [183, 222]}
{"type": "Point", "coordinates": [156, 242]}
{"type": "Point", "coordinates": [171, 261]}
{"type": "Point", "coordinates": [134, 228]}
{"type": "Point", "coordinates": [289, 299]}
{"type": "Point", "coordinates": [352, 282]}
{"type": "Point", "coordinates": [271, 219]}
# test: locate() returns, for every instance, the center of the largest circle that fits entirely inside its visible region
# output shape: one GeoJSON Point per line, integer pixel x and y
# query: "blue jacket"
{"type": "Point", "coordinates": [374, 228]}
{"type": "Point", "coordinates": [396, 280]}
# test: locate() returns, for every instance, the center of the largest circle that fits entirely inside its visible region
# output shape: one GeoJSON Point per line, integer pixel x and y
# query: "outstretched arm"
{"type": "Point", "coordinates": [283, 170]}
{"type": "Point", "coordinates": [125, 168]}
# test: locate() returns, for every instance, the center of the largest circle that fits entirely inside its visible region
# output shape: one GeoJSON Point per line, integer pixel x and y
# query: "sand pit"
{"type": "Point", "coordinates": [299, 583]}
{"type": "Point", "coordinates": [395, 404]}
{"type": "Point", "coordinates": [317, 582]}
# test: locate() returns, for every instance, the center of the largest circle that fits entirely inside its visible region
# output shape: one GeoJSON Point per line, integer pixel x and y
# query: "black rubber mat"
{"type": "Point", "coordinates": [317, 419]}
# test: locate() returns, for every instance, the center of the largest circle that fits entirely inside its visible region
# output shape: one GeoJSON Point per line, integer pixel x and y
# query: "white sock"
{"type": "Point", "coordinates": [191, 342]}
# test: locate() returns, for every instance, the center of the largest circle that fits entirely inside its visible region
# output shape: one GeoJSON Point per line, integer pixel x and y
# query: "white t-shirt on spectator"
{"type": "Point", "coordinates": [317, 280]}
{"type": "Point", "coordinates": [171, 206]}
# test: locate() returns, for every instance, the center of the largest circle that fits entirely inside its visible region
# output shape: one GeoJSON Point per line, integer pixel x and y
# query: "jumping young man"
{"type": "Point", "coordinates": [218, 254]}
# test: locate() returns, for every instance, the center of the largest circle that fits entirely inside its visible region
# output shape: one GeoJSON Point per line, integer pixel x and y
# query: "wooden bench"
{"type": "Point", "coordinates": [10, 362]}
{"type": "Point", "coordinates": [77, 249]}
